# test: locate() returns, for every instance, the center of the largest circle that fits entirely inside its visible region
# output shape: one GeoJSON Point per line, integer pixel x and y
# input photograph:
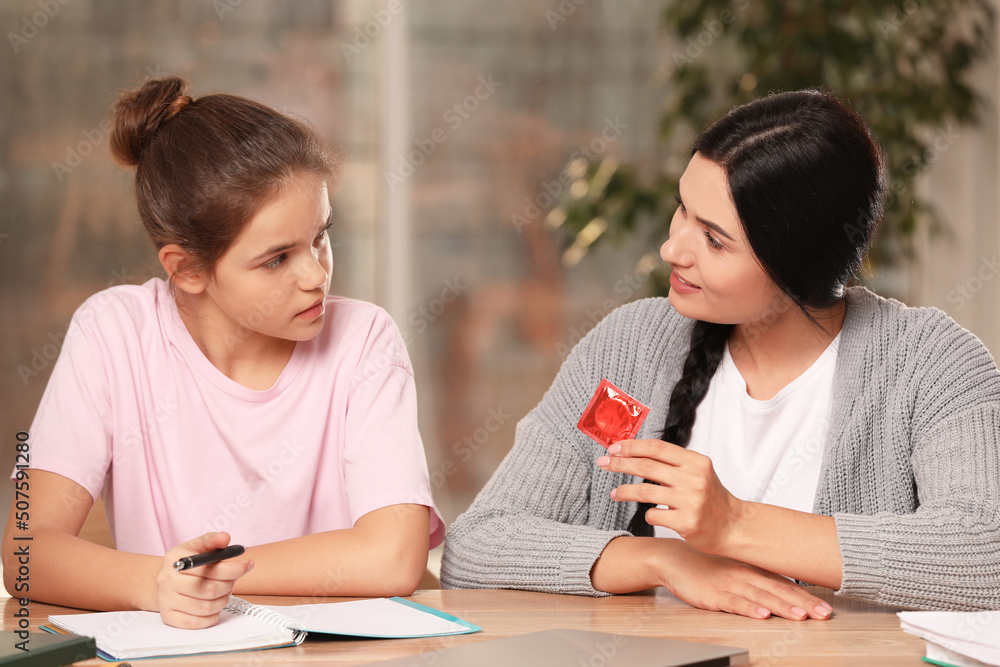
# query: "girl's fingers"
{"type": "Point", "coordinates": [226, 570]}
{"type": "Point", "coordinates": [199, 607]}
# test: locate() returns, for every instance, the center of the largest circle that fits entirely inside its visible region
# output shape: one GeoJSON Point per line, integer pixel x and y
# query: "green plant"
{"type": "Point", "coordinates": [902, 65]}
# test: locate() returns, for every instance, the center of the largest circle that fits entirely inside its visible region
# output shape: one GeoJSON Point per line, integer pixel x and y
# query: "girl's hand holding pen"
{"type": "Point", "coordinates": [194, 597]}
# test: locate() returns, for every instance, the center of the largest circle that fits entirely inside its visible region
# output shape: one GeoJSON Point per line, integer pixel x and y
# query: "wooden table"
{"type": "Point", "coordinates": [857, 634]}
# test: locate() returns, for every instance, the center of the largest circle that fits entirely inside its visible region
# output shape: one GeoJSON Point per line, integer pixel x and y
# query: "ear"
{"type": "Point", "coordinates": [176, 261]}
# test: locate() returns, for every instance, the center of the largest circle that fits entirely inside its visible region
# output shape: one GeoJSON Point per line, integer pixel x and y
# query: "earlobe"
{"type": "Point", "coordinates": [177, 263]}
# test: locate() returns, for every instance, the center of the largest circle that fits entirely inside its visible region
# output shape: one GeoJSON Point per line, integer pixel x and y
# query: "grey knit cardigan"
{"type": "Point", "coordinates": [910, 471]}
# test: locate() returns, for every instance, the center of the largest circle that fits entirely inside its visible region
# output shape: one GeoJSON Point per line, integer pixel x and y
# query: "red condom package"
{"type": "Point", "coordinates": [612, 415]}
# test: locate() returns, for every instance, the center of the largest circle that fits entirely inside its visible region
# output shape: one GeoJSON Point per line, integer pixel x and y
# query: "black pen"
{"type": "Point", "coordinates": [209, 557]}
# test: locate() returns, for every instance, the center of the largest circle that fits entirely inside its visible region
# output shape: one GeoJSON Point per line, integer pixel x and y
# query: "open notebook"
{"type": "Point", "coordinates": [123, 635]}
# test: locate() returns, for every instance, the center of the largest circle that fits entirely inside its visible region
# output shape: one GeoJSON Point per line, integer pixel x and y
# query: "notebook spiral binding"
{"type": "Point", "coordinates": [240, 606]}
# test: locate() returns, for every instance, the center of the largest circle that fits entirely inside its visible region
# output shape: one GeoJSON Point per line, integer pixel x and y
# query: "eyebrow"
{"type": "Point", "coordinates": [714, 227]}
{"type": "Point", "coordinates": [288, 246]}
{"type": "Point", "coordinates": [708, 223]}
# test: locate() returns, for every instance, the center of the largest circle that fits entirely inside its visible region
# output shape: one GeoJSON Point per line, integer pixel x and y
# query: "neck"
{"type": "Point", "coordinates": [777, 348]}
{"type": "Point", "coordinates": [245, 356]}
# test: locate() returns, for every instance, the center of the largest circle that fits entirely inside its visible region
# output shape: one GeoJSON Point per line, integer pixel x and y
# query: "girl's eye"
{"type": "Point", "coordinates": [712, 242]}
{"type": "Point", "coordinates": [681, 204]}
{"type": "Point", "coordinates": [274, 263]}
{"type": "Point", "coordinates": [322, 234]}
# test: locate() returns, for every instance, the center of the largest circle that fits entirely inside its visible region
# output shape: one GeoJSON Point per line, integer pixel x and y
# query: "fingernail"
{"type": "Point", "coordinates": [826, 604]}
{"type": "Point", "coordinates": [763, 612]}
{"type": "Point", "coordinates": [799, 611]}
{"type": "Point", "coordinates": [250, 566]}
{"type": "Point", "coordinates": [614, 493]}
{"type": "Point", "coordinates": [614, 449]}
{"type": "Point", "coordinates": [603, 461]}
{"type": "Point", "coordinates": [822, 610]}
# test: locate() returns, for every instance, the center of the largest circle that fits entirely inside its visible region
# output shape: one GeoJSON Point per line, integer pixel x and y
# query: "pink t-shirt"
{"type": "Point", "coordinates": [134, 408]}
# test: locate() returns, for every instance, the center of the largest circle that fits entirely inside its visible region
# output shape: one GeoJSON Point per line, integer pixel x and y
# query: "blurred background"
{"type": "Point", "coordinates": [508, 166]}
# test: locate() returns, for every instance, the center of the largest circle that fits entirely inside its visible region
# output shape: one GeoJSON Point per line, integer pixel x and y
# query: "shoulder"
{"type": "Point", "coordinates": [918, 349]}
{"type": "Point", "coordinates": [646, 321]}
{"type": "Point", "coordinates": [927, 331]}
{"type": "Point", "coordinates": [121, 309]}
{"type": "Point", "coordinates": [648, 333]}
{"type": "Point", "coordinates": [363, 334]}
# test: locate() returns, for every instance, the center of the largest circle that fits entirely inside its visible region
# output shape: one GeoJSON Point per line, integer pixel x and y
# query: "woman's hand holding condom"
{"type": "Point", "coordinates": [701, 509]}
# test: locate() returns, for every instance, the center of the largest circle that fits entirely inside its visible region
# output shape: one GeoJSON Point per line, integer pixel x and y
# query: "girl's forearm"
{"type": "Point", "coordinates": [67, 570]}
{"type": "Point", "coordinates": [384, 554]}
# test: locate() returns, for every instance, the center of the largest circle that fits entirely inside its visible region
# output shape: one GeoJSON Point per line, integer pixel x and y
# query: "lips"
{"type": "Point", "coordinates": [318, 303]}
{"type": "Point", "coordinates": [684, 280]}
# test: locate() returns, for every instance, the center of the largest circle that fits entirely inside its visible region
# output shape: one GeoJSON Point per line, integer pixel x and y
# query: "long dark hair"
{"type": "Point", "coordinates": [808, 182]}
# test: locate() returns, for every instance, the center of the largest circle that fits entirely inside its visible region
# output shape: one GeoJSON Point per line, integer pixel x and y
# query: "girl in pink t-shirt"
{"type": "Point", "coordinates": [236, 401]}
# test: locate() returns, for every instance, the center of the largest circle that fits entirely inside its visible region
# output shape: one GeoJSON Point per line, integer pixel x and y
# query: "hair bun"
{"type": "Point", "coordinates": [138, 114]}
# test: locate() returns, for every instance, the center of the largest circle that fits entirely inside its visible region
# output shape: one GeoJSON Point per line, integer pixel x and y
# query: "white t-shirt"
{"type": "Point", "coordinates": [766, 451]}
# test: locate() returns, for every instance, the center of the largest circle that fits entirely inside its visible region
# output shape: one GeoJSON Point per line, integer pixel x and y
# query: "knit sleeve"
{"type": "Point", "coordinates": [946, 554]}
{"type": "Point", "coordinates": [541, 522]}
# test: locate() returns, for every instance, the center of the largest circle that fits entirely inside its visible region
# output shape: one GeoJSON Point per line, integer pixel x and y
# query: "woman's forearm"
{"type": "Point", "coordinates": [796, 544]}
{"type": "Point", "coordinates": [629, 564]}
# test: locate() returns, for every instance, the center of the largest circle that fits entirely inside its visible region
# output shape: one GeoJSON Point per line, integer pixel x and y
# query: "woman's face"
{"type": "Point", "coordinates": [273, 279]}
{"type": "Point", "coordinates": [715, 276]}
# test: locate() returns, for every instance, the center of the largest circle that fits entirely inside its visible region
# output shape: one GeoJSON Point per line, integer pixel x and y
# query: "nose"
{"type": "Point", "coordinates": [676, 249]}
{"type": "Point", "coordinates": [312, 273]}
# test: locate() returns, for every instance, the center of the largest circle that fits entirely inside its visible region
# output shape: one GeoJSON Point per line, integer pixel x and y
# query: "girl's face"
{"type": "Point", "coordinates": [273, 279]}
{"type": "Point", "coordinates": [715, 276]}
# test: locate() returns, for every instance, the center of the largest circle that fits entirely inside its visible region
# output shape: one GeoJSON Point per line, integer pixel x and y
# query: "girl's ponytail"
{"type": "Point", "coordinates": [139, 113]}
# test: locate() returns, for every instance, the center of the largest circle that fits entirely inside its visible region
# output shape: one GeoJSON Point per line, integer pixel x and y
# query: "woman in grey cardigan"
{"type": "Point", "coordinates": [798, 428]}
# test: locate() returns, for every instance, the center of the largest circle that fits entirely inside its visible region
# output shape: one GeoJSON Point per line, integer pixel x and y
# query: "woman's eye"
{"type": "Point", "coordinates": [274, 263]}
{"type": "Point", "coordinates": [681, 204]}
{"type": "Point", "coordinates": [712, 242]}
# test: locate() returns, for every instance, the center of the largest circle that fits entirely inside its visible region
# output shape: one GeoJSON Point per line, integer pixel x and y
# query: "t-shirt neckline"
{"type": "Point", "coordinates": [194, 356]}
{"type": "Point", "coordinates": [735, 379]}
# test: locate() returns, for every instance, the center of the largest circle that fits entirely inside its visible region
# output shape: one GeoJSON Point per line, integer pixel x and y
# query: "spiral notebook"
{"type": "Point", "coordinates": [124, 635]}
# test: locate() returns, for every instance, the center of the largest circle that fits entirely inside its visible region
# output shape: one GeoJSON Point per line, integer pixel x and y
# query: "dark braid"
{"type": "Point", "coordinates": [707, 343]}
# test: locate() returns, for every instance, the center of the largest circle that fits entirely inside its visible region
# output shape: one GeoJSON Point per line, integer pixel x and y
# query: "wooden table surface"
{"type": "Point", "coordinates": [857, 634]}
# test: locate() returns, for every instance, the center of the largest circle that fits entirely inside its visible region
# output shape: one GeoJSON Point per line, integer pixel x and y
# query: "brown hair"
{"type": "Point", "coordinates": [205, 166]}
